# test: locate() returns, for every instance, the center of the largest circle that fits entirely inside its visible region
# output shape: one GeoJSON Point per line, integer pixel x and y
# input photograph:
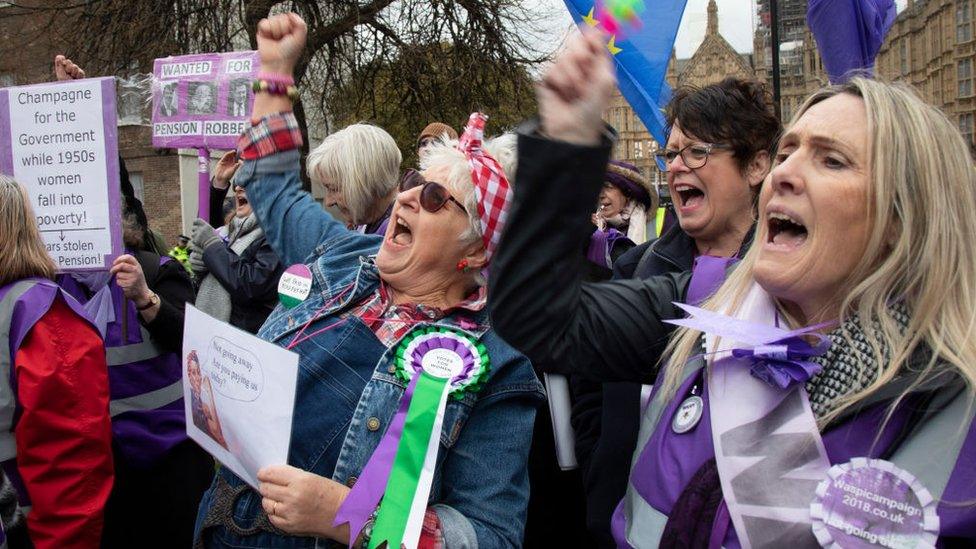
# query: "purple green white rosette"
{"type": "Point", "coordinates": [420, 343]}
{"type": "Point", "coordinates": [873, 503]}
{"type": "Point", "coordinates": [436, 362]}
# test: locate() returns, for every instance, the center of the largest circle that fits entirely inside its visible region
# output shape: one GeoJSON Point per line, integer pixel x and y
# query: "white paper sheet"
{"type": "Point", "coordinates": [240, 406]}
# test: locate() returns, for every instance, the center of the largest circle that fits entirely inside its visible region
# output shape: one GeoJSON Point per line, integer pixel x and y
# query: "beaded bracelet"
{"type": "Point", "coordinates": [276, 77]}
{"type": "Point", "coordinates": [275, 88]}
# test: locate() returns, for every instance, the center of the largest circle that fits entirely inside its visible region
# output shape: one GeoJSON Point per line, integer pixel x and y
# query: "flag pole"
{"type": "Point", "coordinates": [774, 52]}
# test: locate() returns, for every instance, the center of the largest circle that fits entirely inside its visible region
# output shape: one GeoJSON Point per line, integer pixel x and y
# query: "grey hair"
{"type": "Point", "coordinates": [363, 162]}
{"type": "Point", "coordinates": [444, 153]}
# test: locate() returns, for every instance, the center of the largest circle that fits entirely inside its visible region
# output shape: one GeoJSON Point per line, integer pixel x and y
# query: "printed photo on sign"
{"type": "Point", "coordinates": [202, 100]}
{"type": "Point", "coordinates": [170, 105]}
{"type": "Point", "coordinates": [238, 96]}
{"type": "Point", "coordinates": [202, 401]}
{"type": "Point", "coordinates": [239, 394]}
{"type": "Point", "coordinates": [60, 141]}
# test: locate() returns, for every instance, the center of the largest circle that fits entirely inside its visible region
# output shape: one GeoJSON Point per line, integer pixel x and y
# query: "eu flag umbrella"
{"type": "Point", "coordinates": [849, 33]}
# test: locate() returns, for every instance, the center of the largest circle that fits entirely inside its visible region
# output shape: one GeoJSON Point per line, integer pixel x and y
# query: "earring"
{"type": "Point", "coordinates": [462, 266]}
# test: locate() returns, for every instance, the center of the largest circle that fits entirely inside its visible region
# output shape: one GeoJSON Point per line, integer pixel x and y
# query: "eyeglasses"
{"type": "Point", "coordinates": [694, 155]}
{"type": "Point", "coordinates": [433, 195]}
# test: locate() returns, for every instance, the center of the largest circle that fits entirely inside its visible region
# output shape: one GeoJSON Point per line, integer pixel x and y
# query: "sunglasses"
{"type": "Point", "coordinates": [433, 195]}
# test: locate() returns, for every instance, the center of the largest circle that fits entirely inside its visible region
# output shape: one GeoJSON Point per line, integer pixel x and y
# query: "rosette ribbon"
{"type": "Point", "coordinates": [779, 357]}
{"type": "Point", "coordinates": [437, 363]}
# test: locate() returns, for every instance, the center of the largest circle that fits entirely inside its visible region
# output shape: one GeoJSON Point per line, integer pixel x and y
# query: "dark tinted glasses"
{"type": "Point", "coordinates": [433, 195]}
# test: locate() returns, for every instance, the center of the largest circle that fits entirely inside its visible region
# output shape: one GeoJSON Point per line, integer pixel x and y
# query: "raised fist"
{"type": "Point", "coordinates": [281, 39]}
{"type": "Point", "coordinates": [65, 69]}
{"type": "Point", "coordinates": [576, 90]}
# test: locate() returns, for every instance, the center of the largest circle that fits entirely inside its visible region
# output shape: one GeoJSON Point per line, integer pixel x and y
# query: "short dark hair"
{"type": "Point", "coordinates": [734, 111]}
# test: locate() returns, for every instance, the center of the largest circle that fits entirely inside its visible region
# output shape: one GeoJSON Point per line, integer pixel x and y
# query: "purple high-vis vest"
{"type": "Point", "coordinates": [146, 387]}
{"type": "Point", "coordinates": [22, 304]}
{"type": "Point", "coordinates": [145, 384]}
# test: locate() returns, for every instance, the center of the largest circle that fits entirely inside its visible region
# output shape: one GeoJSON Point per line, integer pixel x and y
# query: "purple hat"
{"type": "Point", "coordinates": [629, 180]}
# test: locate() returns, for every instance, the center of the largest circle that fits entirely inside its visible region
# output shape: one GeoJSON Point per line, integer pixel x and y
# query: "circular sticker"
{"type": "Point", "coordinates": [873, 503]}
{"type": "Point", "coordinates": [295, 285]}
{"type": "Point", "coordinates": [443, 363]}
{"type": "Point", "coordinates": [688, 415]}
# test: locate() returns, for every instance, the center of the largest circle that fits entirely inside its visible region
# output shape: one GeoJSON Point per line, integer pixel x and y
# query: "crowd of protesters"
{"type": "Point", "coordinates": [807, 312]}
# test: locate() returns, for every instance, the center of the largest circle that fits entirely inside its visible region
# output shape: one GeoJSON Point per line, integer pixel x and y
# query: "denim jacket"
{"type": "Point", "coordinates": [348, 394]}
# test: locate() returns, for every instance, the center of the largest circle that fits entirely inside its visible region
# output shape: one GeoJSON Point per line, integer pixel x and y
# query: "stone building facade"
{"type": "Point", "coordinates": [931, 45]}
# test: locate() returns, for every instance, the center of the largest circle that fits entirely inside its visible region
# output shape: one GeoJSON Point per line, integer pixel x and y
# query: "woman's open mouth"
{"type": "Point", "coordinates": [785, 232]}
{"type": "Point", "coordinates": [241, 201]}
{"type": "Point", "coordinates": [402, 235]}
{"type": "Point", "coordinates": [689, 197]}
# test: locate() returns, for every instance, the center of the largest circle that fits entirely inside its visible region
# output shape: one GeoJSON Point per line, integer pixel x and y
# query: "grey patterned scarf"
{"type": "Point", "coordinates": [848, 368]}
{"type": "Point", "coordinates": [212, 298]}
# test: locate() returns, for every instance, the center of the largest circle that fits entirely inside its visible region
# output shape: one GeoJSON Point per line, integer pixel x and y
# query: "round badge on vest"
{"type": "Point", "coordinates": [295, 285]}
{"type": "Point", "coordinates": [873, 503]}
{"type": "Point", "coordinates": [688, 415]}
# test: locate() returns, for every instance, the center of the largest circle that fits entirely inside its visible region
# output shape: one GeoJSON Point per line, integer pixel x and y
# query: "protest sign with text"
{"type": "Point", "coordinates": [60, 141]}
{"type": "Point", "coordinates": [202, 100]}
{"type": "Point", "coordinates": [239, 394]}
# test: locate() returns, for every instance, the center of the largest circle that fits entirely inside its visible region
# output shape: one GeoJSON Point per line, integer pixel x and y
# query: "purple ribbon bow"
{"type": "Point", "coordinates": [785, 363]}
{"type": "Point", "coordinates": [779, 357]}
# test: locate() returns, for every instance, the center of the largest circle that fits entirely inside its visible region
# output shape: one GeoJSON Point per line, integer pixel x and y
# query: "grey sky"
{"type": "Point", "coordinates": [735, 22]}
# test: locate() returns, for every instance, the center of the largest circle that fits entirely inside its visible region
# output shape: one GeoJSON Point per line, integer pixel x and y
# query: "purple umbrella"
{"type": "Point", "coordinates": [849, 33]}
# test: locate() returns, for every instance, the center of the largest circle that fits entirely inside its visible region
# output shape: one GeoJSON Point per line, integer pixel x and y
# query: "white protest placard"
{"type": "Point", "coordinates": [239, 394]}
{"type": "Point", "coordinates": [60, 142]}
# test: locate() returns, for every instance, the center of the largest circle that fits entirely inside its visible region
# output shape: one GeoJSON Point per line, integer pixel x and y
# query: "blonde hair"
{"type": "Point", "coordinates": [22, 252]}
{"type": "Point", "coordinates": [921, 203]}
{"type": "Point", "coordinates": [363, 162]}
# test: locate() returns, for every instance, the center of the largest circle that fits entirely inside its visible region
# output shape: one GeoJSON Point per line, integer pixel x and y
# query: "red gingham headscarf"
{"type": "Point", "coordinates": [491, 187]}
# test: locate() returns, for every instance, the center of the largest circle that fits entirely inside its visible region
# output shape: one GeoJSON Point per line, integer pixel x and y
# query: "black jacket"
{"type": "Point", "coordinates": [607, 331]}
{"type": "Point", "coordinates": [250, 278]}
{"type": "Point", "coordinates": [172, 284]}
{"type": "Point", "coordinates": [606, 416]}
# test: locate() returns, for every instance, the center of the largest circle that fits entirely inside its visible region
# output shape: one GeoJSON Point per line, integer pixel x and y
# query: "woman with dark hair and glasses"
{"type": "Point", "coordinates": [395, 349]}
{"type": "Point", "coordinates": [717, 155]}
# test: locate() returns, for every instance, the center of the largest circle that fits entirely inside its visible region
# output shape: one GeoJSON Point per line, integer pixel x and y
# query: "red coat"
{"type": "Point", "coordinates": [63, 430]}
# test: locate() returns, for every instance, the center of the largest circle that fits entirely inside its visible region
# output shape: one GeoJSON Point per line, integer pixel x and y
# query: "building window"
{"type": "Point", "coordinates": [966, 127]}
{"type": "Point", "coordinates": [903, 51]}
{"type": "Point", "coordinates": [964, 75]}
{"type": "Point", "coordinates": [638, 149]}
{"type": "Point", "coordinates": [964, 22]}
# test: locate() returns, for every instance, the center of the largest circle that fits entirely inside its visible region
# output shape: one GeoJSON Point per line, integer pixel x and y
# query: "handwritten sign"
{"type": "Point", "coordinates": [60, 142]}
{"type": "Point", "coordinates": [202, 100]}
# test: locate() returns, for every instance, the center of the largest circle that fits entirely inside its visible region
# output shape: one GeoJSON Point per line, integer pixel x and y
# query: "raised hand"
{"type": "Point", "coordinates": [576, 90]}
{"type": "Point", "coordinates": [65, 69]}
{"type": "Point", "coordinates": [226, 168]}
{"type": "Point", "coordinates": [281, 39]}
